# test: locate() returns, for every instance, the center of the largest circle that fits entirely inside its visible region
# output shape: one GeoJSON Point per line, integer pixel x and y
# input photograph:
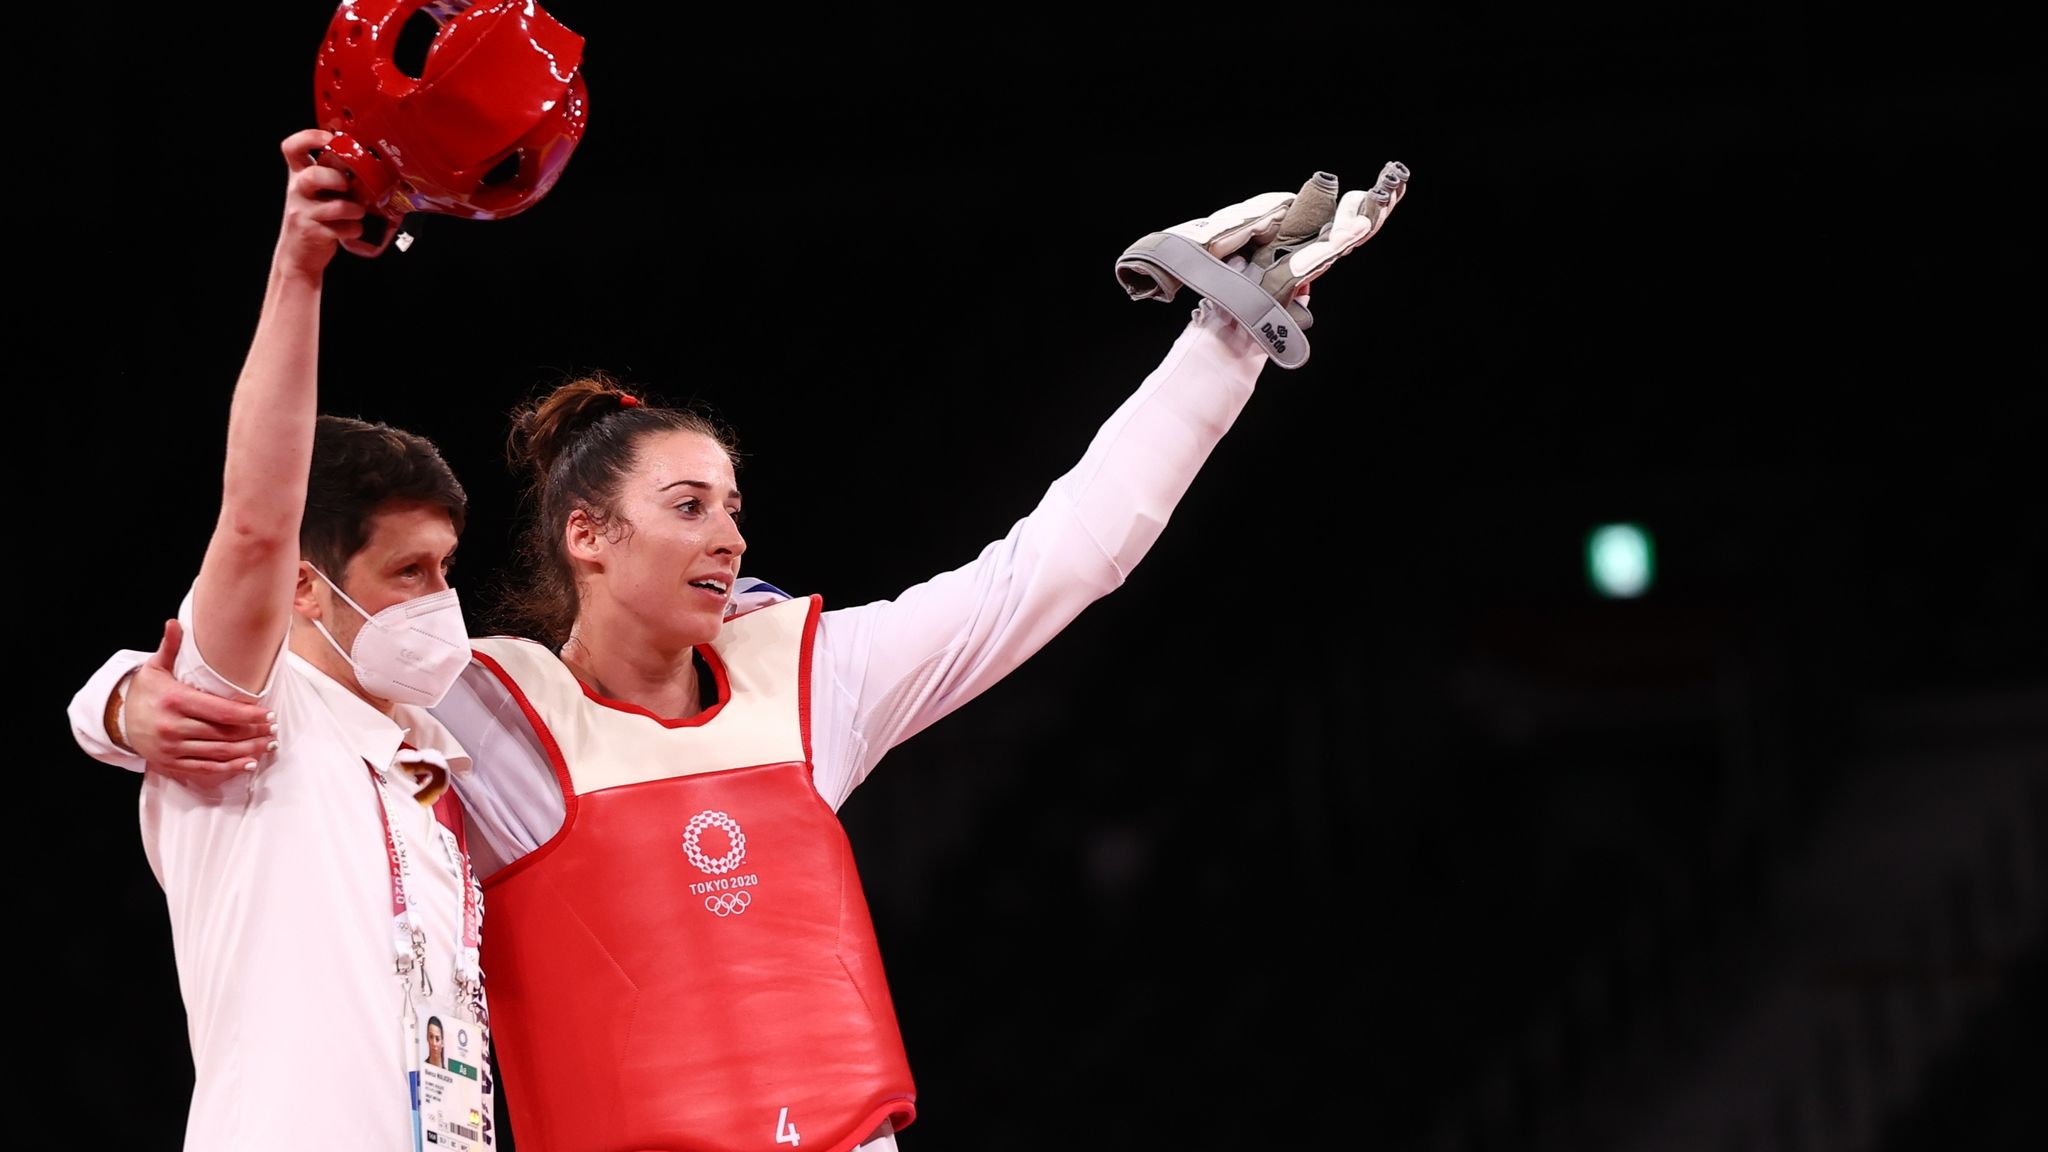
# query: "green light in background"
{"type": "Point", "coordinates": [1620, 560]}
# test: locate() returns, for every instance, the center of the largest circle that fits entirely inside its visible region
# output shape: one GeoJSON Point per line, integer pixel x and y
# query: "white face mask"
{"type": "Point", "coordinates": [411, 652]}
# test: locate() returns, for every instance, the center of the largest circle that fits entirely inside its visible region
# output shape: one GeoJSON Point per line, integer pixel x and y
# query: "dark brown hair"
{"type": "Point", "coordinates": [357, 466]}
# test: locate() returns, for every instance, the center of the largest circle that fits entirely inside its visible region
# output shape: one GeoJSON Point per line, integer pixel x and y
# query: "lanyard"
{"type": "Point", "coordinates": [409, 940]}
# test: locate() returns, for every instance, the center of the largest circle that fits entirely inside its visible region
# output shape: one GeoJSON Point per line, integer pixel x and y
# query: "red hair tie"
{"type": "Point", "coordinates": [628, 401]}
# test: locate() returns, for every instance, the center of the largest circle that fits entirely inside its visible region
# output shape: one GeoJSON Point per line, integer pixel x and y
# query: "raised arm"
{"type": "Point", "coordinates": [242, 601]}
{"type": "Point", "coordinates": [133, 709]}
{"type": "Point", "coordinates": [901, 664]}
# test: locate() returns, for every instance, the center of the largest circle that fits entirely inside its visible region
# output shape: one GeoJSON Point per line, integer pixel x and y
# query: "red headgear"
{"type": "Point", "coordinates": [479, 128]}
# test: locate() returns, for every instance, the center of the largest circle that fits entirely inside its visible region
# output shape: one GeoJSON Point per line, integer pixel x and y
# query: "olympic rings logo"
{"type": "Point", "coordinates": [731, 827]}
{"type": "Point", "coordinates": [728, 903]}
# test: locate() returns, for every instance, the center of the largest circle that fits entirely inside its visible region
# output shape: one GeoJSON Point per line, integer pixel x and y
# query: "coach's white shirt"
{"type": "Point", "coordinates": [279, 894]}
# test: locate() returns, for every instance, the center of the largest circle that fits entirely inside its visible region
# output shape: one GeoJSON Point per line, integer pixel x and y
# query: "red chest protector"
{"type": "Point", "coordinates": [689, 964]}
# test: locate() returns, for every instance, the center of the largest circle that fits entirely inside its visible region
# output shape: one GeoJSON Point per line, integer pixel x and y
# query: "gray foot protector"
{"type": "Point", "coordinates": [1157, 266]}
{"type": "Point", "coordinates": [1263, 296]}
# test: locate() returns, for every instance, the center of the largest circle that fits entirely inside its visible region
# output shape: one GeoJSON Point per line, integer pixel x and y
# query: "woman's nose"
{"type": "Point", "coordinates": [730, 539]}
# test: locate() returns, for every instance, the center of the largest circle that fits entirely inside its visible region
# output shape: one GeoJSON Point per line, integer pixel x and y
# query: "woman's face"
{"type": "Point", "coordinates": [669, 558]}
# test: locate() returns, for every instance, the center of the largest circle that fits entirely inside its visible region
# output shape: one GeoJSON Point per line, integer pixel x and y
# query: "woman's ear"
{"type": "Point", "coordinates": [582, 538]}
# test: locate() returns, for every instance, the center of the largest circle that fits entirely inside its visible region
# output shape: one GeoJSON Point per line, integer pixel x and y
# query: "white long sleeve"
{"type": "Point", "coordinates": [88, 710]}
{"type": "Point", "coordinates": [889, 669]}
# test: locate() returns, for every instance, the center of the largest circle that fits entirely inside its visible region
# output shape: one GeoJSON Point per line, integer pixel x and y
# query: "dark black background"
{"type": "Point", "coordinates": [1284, 843]}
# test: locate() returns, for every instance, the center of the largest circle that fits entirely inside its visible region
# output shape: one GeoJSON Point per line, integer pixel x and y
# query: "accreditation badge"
{"type": "Point", "coordinates": [452, 1089]}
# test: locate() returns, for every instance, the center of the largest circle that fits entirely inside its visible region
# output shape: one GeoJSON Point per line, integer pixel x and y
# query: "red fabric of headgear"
{"type": "Point", "coordinates": [484, 129]}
